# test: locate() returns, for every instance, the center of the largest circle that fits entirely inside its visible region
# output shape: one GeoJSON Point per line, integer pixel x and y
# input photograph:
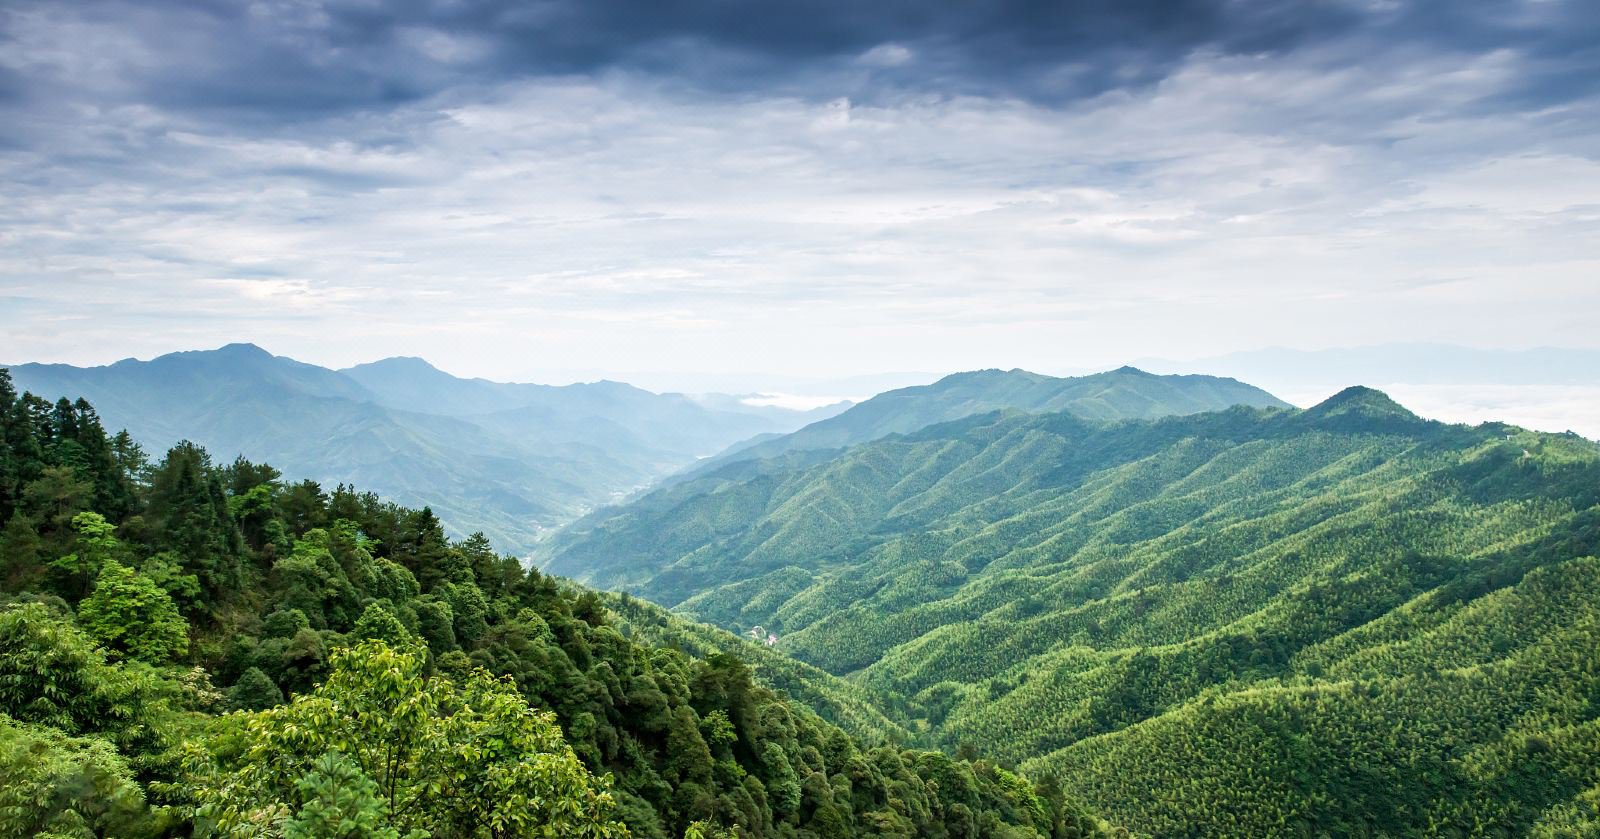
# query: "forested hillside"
{"type": "Point", "coordinates": [188, 648]}
{"type": "Point", "coordinates": [1342, 621]}
{"type": "Point", "coordinates": [1124, 393]}
{"type": "Point", "coordinates": [510, 460]}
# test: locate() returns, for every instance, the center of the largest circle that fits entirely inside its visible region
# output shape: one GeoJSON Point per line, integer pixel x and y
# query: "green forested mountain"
{"type": "Point", "coordinates": [510, 460]}
{"type": "Point", "coordinates": [1124, 393]}
{"type": "Point", "coordinates": [1338, 621]}
{"type": "Point", "coordinates": [189, 648]}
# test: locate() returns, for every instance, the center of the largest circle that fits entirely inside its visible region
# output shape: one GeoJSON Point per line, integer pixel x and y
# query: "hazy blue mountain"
{"type": "Point", "coordinates": [1124, 393]}
{"type": "Point", "coordinates": [509, 459]}
{"type": "Point", "coordinates": [665, 431]}
{"type": "Point", "coordinates": [406, 381]}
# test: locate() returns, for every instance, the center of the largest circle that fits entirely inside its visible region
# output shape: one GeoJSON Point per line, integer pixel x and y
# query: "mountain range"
{"type": "Point", "coordinates": [1176, 601]}
{"type": "Point", "coordinates": [1124, 393]}
{"type": "Point", "coordinates": [510, 460]}
{"type": "Point", "coordinates": [515, 461]}
{"type": "Point", "coordinates": [1344, 620]}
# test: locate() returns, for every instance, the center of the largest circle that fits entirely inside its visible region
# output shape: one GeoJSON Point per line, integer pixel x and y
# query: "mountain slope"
{"type": "Point", "coordinates": [507, 459]}
{"type": "Point", "coordinates": [675, 428]}
{"type": "Point", "coordinates": [1124, 393]}
{"type": "Point", "coordinates": [1235, 599]}
{"type": "Point", "coordinates": [349, 631]}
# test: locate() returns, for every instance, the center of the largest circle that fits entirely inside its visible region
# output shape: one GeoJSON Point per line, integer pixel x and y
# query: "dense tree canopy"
{"type": "Point", "coordinates": [1342, 619]}
{"type": "Point", "coordinates": [386, 681]}
{"type": "Point", "coordinates": [380, 747]}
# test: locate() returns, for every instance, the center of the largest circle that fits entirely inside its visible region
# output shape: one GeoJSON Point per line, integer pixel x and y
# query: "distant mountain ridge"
{"type": "Point", "coordinates": [511, 460]}
{"type": "Point", "coordinates": [1124, 393]}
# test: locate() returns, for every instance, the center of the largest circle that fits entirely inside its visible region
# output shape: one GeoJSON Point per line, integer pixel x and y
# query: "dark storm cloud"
{"type": "Point", "coordinates": [279, 58]}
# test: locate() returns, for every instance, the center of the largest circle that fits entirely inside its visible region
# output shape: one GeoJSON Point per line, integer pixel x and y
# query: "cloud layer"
{"type": "Point", "coordinates": [521, 190]}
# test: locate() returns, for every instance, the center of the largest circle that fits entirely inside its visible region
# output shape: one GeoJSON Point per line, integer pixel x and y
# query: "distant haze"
{"type": "Point", "coordinates": [1546, 388]}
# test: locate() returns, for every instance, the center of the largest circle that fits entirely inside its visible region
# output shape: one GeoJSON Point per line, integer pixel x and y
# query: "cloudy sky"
{"type": "Point", "coordinates": [823, 187]}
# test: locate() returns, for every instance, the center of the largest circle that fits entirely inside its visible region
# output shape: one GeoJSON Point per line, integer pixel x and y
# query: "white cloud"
{"type": "Point", "coordinates": [887, 55]}
{"type": "Point", "coordinates": [608, 222]}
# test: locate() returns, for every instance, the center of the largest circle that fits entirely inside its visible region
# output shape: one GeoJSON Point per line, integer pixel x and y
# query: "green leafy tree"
{"type": "Point", "coordinates": [51, 673]}
{"type": "Point", "coordinates": [255, 691]}
{"type": "Point", "coordinates": [379, 624]}
{"type": "Point", "coordinates": [96, 545]}
{"type": "Point", "coordinates": [463, 760]}
{"type": "Point", "coordinates": [783, 785]}
{"type": "Point", "coordinates": [130, 614]}
{"type": "Point", "coordinates": [166, 571]}
{"type": "Point", "coordinates": [52, 500]}
{"type": "Point", "coordinates": [57, 786]}
{"type": "Point", "coordinates": [311, 579]}
{"type": "Point", "coordinates": [187, 500]}
{"type": "Point", "coordinates": [718, 730]}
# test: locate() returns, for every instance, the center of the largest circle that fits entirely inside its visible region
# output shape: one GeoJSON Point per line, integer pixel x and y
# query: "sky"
{"type": "Point", "coordinates": [822, 188]}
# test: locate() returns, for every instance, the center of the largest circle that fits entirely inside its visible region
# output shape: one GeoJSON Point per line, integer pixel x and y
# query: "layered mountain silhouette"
{"type": "Point", "coordinates": [511, 460]}
{"type": "Point", "coordinates": [1124, 393]}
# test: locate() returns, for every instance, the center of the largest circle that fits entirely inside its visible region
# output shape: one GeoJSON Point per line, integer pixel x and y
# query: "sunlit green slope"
{"type": "Point", "coordinates": [1123, 393]}
{"type": "Point", "coordinates": [1237, 623]}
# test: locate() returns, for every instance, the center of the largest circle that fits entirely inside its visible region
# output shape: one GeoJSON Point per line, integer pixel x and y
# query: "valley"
{"type": "Point", "coordinates": [1177, 604]}
{"type": "Point", "coordinates": [1117, 603]}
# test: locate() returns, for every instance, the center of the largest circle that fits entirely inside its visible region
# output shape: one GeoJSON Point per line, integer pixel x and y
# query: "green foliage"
{"type": "Point", "coordinates": [328, 598]}
{"type": "Point", "coordinates": [718, 730]}
{"type": "Point", "coordinates": [53, 785]}
{"type": "Point", "coordinates": [1236, 623]}
{"type": "Point", "coordinates": [339, 802]}
{"type": "Point", "coordinates": [96, 545]}
{"type": "Point", "coordinates": [378, 623]}
{"type": "Point", "coordinates": [127, 612]}
{"type": "Point", "coordinates": [421, 755]}
{"type": "Point", "coordinates": [20, 548]}
{"type": "Point", "coordinates": [255, 691]}
{"type": "Point", "coordinates": [86, 732]}
{"type": "Point", "coordinates": [52, 674]}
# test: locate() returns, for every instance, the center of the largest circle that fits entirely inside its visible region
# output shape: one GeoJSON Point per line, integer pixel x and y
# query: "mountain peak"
{"type": "Point", "coordinates": [987, 374]}
{"type": "Point", "coordinates": [242, 349]}
{"type": "Point", "coordinates": [1362, 401]}
{"type": "Point", "coordinates": [237, 353]}
{"type": "Point", "coordinates": [410, 363]}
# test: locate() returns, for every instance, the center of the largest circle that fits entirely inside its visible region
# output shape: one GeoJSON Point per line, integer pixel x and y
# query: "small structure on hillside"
{"type": "Point", "coordinates": [760, 635]}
